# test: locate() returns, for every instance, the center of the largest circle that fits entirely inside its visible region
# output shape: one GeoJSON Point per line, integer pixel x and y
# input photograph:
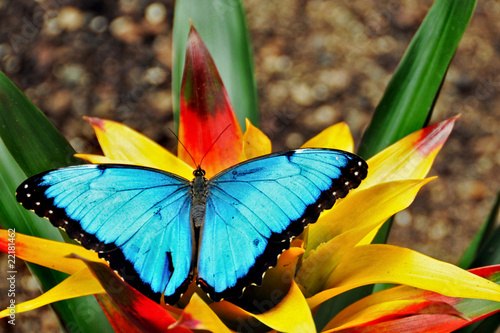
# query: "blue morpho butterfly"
{"type": "Point", "coordinates": [159, 230]}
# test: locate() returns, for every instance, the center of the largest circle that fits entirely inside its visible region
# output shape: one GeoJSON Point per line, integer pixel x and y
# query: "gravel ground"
{"type": "Point", "coordinates": [317, 63]}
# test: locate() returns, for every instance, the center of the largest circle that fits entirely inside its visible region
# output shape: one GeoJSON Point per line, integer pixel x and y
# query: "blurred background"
{"type": "Point", "coordinates": [317, 62]}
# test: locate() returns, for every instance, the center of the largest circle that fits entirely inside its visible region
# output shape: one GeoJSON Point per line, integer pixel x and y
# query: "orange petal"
{"type": "Point", "coordinates": [255, 142]}
{"type": "Point", "coordinates": [410, 157]}
{"type": "Point", "coordinates": [122, 144]}
{"type": "Point", "coordinates": [337, 136]}
{"type": "Point", "coordinates": [51, 254]}
{"type": "Point", "coordinates": [424, 323]}
{"type": "Point", "coordinates": [208, 127]}
{"type": "Point", "coordinates": [391, 310]}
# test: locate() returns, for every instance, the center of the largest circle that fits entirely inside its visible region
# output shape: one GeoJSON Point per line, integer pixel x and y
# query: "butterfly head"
{"type": "Point", "coordinates": [199, 172]}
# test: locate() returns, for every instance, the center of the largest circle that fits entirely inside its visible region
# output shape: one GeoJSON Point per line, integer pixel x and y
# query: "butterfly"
{"type": "Point", "coordinates": [160, 231]}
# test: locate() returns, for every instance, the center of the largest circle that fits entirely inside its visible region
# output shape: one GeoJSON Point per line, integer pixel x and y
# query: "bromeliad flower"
{"type": "Point", "coordinates": [332, 256]}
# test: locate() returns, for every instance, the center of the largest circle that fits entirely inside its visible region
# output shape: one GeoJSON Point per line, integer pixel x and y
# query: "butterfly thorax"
{"type": "Point", "coordinates": [198, 192]}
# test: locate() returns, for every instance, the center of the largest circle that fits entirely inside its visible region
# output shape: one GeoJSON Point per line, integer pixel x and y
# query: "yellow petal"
{"type": "Point", "coordinates": [255, 142]}
{"type": "Point", "coordinates": [198, 316]}
{"type": "Point", "coordinates": [320, 262]}
{"type": "Point", "coordinates": [410, 157]}
{"type": "Point", "coordinates": [340, 230]}
{"type": "Point", "coordinates": [382, 263]}
{"type": "Point", "coordinates": [234, 316]}
{"type": "Point", "coordinates": [292, 314]}
{"type": "Point", "coordinates": [82, 283]}
{"type": "Point", "coordinates": [100, 159]}
{"type": "Point", "coordinates": [123, 144]}
{"type": "Point", "coordinates": [372, 205]}
{"type": "Point", "coordinates": [51, 254]}
{"type": "Point", "coordinates": [383, 301]}
{"type": "Point", "coordinates": [275, 287]}
{"type": "Point", "coordinates": [337, 136]}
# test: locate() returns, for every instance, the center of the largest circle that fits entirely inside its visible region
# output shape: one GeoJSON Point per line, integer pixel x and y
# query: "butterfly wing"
{"type": "Point", "coordinates": [136, 218]}
{"type": "Point", "coordinates": [255, 208]}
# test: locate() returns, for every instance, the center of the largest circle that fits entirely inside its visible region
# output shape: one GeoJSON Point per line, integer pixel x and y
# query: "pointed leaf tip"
{"type": "Point", "coordinates": [96, 122]}
{"type": "Point", "coordinates": [433, 137]}
{"type": "Point", "coordinates": [410, 157]}
{"type": "Point", "coordinates": [208, 125]}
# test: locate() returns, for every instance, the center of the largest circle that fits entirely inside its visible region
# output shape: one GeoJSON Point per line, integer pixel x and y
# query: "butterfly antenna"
{"type": "Point", "coordinates": [213, 143]}
{"type": "Point", "coordinates": [187, 151]}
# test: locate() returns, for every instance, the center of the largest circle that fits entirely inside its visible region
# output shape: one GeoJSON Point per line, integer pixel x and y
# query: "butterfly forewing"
{"type": "Point", "coordinates": [130, 214]}
{"type": "Point", "coordinates": [256, 207]}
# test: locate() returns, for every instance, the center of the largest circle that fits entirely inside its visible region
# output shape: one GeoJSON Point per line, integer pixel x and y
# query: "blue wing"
{"type": "Point", "coordinates": [137, 218]}
{"type": "Point", "coordinates": [255, 208]}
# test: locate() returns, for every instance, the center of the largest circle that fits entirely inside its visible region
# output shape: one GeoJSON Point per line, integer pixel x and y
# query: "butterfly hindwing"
{"type": "Point", "coordinates": [136, 218]}
{"type": "Point", "coordinates": [255, 208]}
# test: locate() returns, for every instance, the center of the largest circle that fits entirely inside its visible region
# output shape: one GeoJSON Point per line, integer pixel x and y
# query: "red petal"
{"type": "Point", "coordinates": [206, 113]}
{"type": "Point", "coordinates": [131, 308]}
{"type": "Point", "coordinates": [116, 318]}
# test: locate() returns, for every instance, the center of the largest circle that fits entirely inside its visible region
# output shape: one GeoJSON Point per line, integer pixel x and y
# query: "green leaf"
{"type": "Point", "coordinates": [490, 324]}
{"type": "Point", "coordinates": [12, 214]}
{"type": "Point", "coordinates": [20, 124]}
{"type": "Point", "coordinates": [410, 96]}
{"type": "Point", "coordinates": [481, 237]}
{"type": "Point", "coordinates": [30, 137]}
{"type": "Point", "coordinates": [489, 253]}
{"type": "Point", "coordinates": [223, 28]}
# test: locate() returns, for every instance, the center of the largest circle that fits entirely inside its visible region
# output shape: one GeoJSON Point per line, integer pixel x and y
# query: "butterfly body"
{"type": "Point", "coordinates": [199, 193]}
{"type": "Point", "coordinates": [158, 230]}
